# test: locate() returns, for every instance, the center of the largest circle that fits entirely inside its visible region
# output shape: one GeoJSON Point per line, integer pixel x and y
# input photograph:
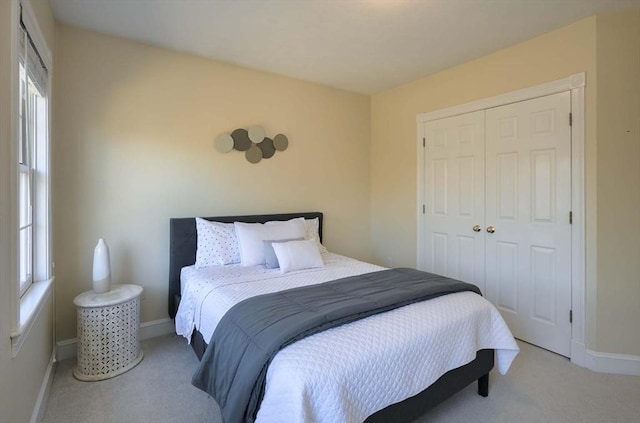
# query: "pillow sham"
{"type": "Point", "coordinates": [270, 259]}
{"type": "Point", "coordinates": [312, 227]}
{"type": "Point", "coordinates": [251, 235]}
{"type": "Point", "coordinates": [298, 255]}
{"type": "Point", "coordinates": [217, 244]}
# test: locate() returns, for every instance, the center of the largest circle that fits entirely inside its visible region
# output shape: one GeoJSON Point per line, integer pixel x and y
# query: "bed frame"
{"type": "Point", "coordinates": [182, 252]}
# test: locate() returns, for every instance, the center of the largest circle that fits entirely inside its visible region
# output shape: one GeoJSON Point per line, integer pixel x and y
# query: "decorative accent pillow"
{"type": "Point", "coordinates": [270, 259]}
{"type": "Point", "coordinates": [313, 232]}
{"type": "Point", "coordinates": [251, 235]}
{"type": "Point", "coordinates": [217, 244]}
{"type": "Point", "coordinates": [297, 255]}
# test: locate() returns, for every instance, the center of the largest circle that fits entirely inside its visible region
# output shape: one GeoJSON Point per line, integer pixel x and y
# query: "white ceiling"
{"type": "Point", "coordinates": [366, 46]}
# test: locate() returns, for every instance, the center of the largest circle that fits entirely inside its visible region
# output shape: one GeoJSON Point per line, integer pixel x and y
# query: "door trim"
{"type": "Point", "coordinates": [576, 85]}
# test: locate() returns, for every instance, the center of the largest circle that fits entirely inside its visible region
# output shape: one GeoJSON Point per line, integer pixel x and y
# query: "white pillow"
{"type": "Point", "coordinates": [251, 235]}
{"type": "Point", "coordinates": [297, 255]}
{"type": "Point", "coordinates": [313, 232]}
{"type": "Point", "coordinates": [270, 259]}
{"type": "Point", "coordinates": [217, 244]}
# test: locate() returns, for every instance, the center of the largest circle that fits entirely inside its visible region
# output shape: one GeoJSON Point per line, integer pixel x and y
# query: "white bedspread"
{"type": "Point", "coordinates": [349, 372]}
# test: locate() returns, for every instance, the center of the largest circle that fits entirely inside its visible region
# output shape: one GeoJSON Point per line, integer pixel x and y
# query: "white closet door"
{"type": "Point", "coordinates": [454, 197]}
{"type": "Point", "coordinates": [528, 193]}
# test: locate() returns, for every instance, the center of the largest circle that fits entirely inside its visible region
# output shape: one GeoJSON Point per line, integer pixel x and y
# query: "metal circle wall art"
{"type": "Point", "coordinates": [241, 141]}
{"type": "Point", "coordinates": [256, 134]}
{"type": "Point", "coordinates": [280, 142]}
{"type": "Point", "coordinates": [268, 150]}
{"type": "Point", "coordinates": [224, 143]}
{"type": "Point", "coordinates": [254, 142]}
{"type": "Point", "coordinates": [253, 154]}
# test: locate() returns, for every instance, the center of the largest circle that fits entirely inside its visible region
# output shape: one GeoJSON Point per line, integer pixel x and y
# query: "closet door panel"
{"type": "Point", "coordinates": [454, 197]}
{"type": "Point", "coordinates": [528, 192]}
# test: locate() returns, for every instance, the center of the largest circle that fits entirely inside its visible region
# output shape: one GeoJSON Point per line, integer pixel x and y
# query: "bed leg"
{"type": "Point", "coordinates": [483, 385]}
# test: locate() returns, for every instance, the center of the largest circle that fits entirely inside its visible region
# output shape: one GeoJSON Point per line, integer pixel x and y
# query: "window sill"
{"type": "Point", "coordinates": [30, 305]}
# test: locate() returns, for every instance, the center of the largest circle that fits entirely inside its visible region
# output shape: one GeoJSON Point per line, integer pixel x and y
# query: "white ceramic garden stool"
{"type": "Point", "coordinates": [108, 332]}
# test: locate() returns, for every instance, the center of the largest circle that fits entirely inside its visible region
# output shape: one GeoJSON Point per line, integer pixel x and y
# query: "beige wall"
{"type": "Point", "coordinates": [618, 185]}
{"type": "Point", "coordinates": [23, 376]}
{"type": "Point", "coordinates": [134, 146]}
{"type": "Point", "coordinates": [549, 57]}
{"type": "Point", "coordinates": [20, 377]}
{"type": "Point", "coordinates": [553, 56]}
{"type": "Point", "coordinates": [135, 126]}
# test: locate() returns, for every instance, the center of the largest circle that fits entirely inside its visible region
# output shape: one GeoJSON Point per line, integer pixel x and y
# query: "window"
{"type": "Point", "coordinates": [33, 165]}
{"type": "Point", "coordinates": [30, 201]}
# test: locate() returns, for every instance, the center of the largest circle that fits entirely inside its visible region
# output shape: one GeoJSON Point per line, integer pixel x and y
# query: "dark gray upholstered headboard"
{"type": "Point", "coordinates": [183, 242]}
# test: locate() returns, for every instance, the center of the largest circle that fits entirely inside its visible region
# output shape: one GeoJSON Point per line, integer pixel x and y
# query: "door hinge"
{"type": "Point", "coordinates": [570, 119]}
{"type": "Point", "coordinates": [570, 316]}
{"type": "Point", "coordinates": [424, 209]}
{"type": "Point", "coordinates": [424, 142]}
{"type": "Point", "coordinates": [570, 218]}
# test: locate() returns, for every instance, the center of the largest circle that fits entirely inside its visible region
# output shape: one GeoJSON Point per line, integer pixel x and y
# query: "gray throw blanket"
{"type": "Point", "coordinates": [234, 366]}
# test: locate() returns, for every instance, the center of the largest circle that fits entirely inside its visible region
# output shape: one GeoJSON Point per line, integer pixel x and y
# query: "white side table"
{"type": "Point", "coordinates": [108, 332]}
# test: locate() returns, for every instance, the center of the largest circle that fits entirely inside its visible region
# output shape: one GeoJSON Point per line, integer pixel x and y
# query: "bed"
{"type": "Point", "coordinates": [183, 244]}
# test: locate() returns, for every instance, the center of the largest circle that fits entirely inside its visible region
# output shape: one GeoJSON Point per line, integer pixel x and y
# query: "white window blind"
{"type": "Point", "coordinates": [32, 62]}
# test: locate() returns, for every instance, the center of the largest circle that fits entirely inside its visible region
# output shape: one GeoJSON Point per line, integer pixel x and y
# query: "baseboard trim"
{"type": "Point", "coordinates": [622, 364]}
{"type": "Point", "coordinates": [67, 348]}
{"type": "Point", "coordinates": [578, 354]}
{"type": "Point", "coordinates": [45, 388]}
{"type": "Point", "coordinates": [600, 362]}
{"type": "Point", "coordinates": [156, 328]}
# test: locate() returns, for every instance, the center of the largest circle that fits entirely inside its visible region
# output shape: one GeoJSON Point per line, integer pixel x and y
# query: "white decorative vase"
{"type": "Point", "coordinates": [101, 268]}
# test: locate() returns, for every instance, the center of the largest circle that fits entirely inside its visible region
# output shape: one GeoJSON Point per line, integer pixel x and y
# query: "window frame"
{"type": "Point", "coordinates": [25, 171]}
{"type": "Point", "coordinates": [28, 299]}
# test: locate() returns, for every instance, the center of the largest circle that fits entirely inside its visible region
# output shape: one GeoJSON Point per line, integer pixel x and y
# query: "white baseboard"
{"type": "Point", "coordinates": [578, 354]}
{"type": "Point", "coordinates": [43, 395]}
{"type": "Point", "coordinates": [67, 348]}
{"type": "Point", "coordinates": [600, 362]}
{"type": "Point", "coordinates": [156, 328]}
{"type": "Point", "coordinates": [613, 363]}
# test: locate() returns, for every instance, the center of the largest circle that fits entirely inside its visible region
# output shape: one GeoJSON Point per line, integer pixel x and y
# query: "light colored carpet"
{"type": "Point", "coordinates": [157, 390]}
{"type": "Point", "coordinates": [540, 387]}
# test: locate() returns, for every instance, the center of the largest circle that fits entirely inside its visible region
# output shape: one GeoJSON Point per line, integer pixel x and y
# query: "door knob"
{"type": "Point", "coordinates": [477, 228]}
{"type": "Point", "coordinates": [491, 229]}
